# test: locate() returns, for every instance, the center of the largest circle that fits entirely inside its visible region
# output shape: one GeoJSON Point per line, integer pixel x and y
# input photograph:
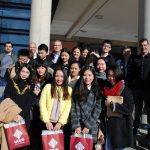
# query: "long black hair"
{"type": "Point", "coordinates": [81, 91]}
{"type": "Point", "coordinates": [118, 74]}
{"type": "Point", "coordinates": [36, 78]}
{"type": "Point", "coordinates": [64, 85]}
{"type": "Point", "coordinates": [17, 77]}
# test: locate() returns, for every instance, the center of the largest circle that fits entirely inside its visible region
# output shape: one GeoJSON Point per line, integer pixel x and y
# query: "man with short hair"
{"type": "Point", "coordinates": [105, 53]}
{"type": "Point", "coordinates": [7, 57]}
{"type": "Point", "coordinates": [32, 51]}
{"type": "Point", "coordinates": [42, 57]}
{"type": "Point", "coordinates": [141, 83]}
{"type": "Point", "coordinates": [12, 70]}
{"type": "Point", "coordinates": [57, 47]}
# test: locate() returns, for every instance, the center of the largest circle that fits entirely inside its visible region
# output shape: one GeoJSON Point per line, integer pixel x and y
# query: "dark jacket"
{"type": "Point", "coordinates": [141, 72]}
{"type": "Point", "coordinates": [127, 70]}
{"type": "Point", "coordinates": [24, 101]}
{"type": "Point", "coordinates": [47, 62]}
{"type": "Point", "coordinates": [110, 60]}
{"type": "Point", "coordinates": [120, 129]}
{"type": "Point", "coordinates": [86, 113]}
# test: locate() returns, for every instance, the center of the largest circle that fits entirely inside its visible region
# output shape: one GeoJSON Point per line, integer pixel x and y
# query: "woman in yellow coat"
{"type": "Point", "coordinates": [55, 101]}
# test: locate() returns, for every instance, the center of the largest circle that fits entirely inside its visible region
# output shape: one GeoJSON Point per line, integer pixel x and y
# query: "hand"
{"type": "Point", "coordinates": [57, 126]}
{"type": "Point", "coordinates": [93, 53]}
{"type": "Point", "coordinates": [107, 102]}
{"type": "Point", "coordinates": [36, 92]}
{"type": "Point", "coordinates": [78, 130]}
{"type": "Point", "coordinates": [85, 131]}
{"type": "Point", "coordinates": [101, 136]}
{"type": "Point", "coordinates": [49, 126]}
{"type": "Point", "coordinates": [18, 118]}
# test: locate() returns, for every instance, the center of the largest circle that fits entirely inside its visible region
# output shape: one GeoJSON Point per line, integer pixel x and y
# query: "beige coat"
{"type": "Point", "coordinates": [8, 111]}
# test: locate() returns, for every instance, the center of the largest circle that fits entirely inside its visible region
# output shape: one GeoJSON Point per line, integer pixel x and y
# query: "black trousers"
{"type": "Point", "coordinates": [141, 96]}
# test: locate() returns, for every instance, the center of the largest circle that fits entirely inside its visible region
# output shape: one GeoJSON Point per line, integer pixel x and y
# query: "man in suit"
{"type": "Point", "coordinates": [7, 58]}
{"type": "Point", "coordinates": [57, 46]}
{"type": "Point", "coordinates": [32, 51]}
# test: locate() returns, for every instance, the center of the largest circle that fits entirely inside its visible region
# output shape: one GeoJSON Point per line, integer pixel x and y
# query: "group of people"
{"type": "Point", "coordinates": [71, 90]}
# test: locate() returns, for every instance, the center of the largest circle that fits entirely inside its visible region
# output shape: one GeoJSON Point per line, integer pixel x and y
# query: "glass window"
{"type": "Point", "coordinates": [18, 13]}
{"type": "Point", "coordinates": [15, 23]}
{"type": "Point", "coordinates": [17, 1]}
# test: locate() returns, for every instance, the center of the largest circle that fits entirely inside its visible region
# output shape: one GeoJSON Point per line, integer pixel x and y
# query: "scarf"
{"type": "Point", "coordinates": [116, 90]}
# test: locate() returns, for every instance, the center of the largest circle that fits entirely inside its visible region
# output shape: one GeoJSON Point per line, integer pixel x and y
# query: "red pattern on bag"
{"type": "Point", "coordinates": [53, 141]}
{"type": "Point", "coordinates": [17, 136]}
{"type": "Point", "coordinates": [79, 143]}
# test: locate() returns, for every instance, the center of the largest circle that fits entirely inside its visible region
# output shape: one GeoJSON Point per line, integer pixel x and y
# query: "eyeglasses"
{"type": "Point", "coordinates": [107, 46]}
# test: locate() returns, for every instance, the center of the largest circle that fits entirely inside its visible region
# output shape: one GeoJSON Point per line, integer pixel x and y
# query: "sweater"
{"type": "Point", "coordinates": [46, 104]}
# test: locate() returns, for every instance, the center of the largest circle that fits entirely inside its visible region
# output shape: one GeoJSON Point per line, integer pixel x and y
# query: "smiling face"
{"type": "Point", "coordinates": [57, 46]}
{"type": "Point", "coordinates": [88, 77]}
{"type": "Point", "coordinates": [42, 54]}
{"type": "Point", "coordinates": [59, 77]}
{"type": "Point", "coordinates": [65, 57]}
{"type": "Point", "coordinates": [101, 65]}
{"type": "Point", "coordinates": [144, 47]}
{"type": "Point", "coordinates": [32, 48]}
{"type": "Point", "coordinates": [85, 53]}
{"type": "Point", "coordinates": [41, 71]}
{"type": "Point", "coordinates": [76, 53]}
{"type": "Point", "coordinates": [24, 73]}
{"type": "Point", "coordinates": [111, 77]}
{"type": "Point", "coordinates": [106, 48]}
{"type": "Point", "coordinates": [74, 70]}
{"type": "Point", "coordinates": [23, 59]}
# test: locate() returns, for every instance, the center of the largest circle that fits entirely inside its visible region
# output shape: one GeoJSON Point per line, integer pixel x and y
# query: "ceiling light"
{"type": "Point", "coordinates": [99, 16]}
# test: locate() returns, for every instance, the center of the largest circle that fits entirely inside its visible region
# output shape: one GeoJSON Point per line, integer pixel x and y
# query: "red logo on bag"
{"type": "Point", "coordinates": [18, 135]}
{"type": "Point", "coordinates": [79, 146]}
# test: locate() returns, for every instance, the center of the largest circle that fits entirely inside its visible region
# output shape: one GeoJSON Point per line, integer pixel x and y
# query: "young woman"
{"type": "Point", "coordinates": [85, 53]}
{"type": "Point", "coordinates": [21, 92]}
{"type": "Point", "coordinates": [100, 67]}
{"type": "Point", "coordinates": [74, 73]}
{"type": "Point", "coordinates": [40, 78]}
{"type": "Point", "coordinates": [86, 107]}
{"type": "Point", "coordinates": [63, 60]}
{"type": "Point", "coordinates": [76, 55]}
{"type": "Point", "coordinates": [55, 101]}
{"type": "Point", "coordinates": [118, 129]}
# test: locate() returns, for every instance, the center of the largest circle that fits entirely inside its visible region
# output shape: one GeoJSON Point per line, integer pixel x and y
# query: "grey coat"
{"type": "Point", "coordinates": [2, 55]}
{"type": "Point", "coordinates": [86, 114]}
{"type": "Point", "coordinates": [14, 57]}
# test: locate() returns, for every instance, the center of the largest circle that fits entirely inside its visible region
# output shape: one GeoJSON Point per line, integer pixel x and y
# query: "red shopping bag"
{"type": "Point", "coordinates": [17, 135]}
{"type": "Point", "coordinates": [52, 140]}
{"type": "Point", "coordinates": [81, 142]}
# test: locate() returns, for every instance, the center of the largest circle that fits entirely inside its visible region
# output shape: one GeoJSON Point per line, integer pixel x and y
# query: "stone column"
{"type": "Point", "coordinates": [144, 19]}
{"type": "Point", "coordinates": [40, 22]}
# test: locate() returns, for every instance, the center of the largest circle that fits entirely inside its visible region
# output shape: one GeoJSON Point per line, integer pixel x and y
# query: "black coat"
{"type": "Point", "coordinates": [141, 72]}
{"type": "Point", "coordinates": [23, 101]}
{"type": "Point", "coordinates": [120, 129]}
{"type": "Point", "coordinates": [47, 62]}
